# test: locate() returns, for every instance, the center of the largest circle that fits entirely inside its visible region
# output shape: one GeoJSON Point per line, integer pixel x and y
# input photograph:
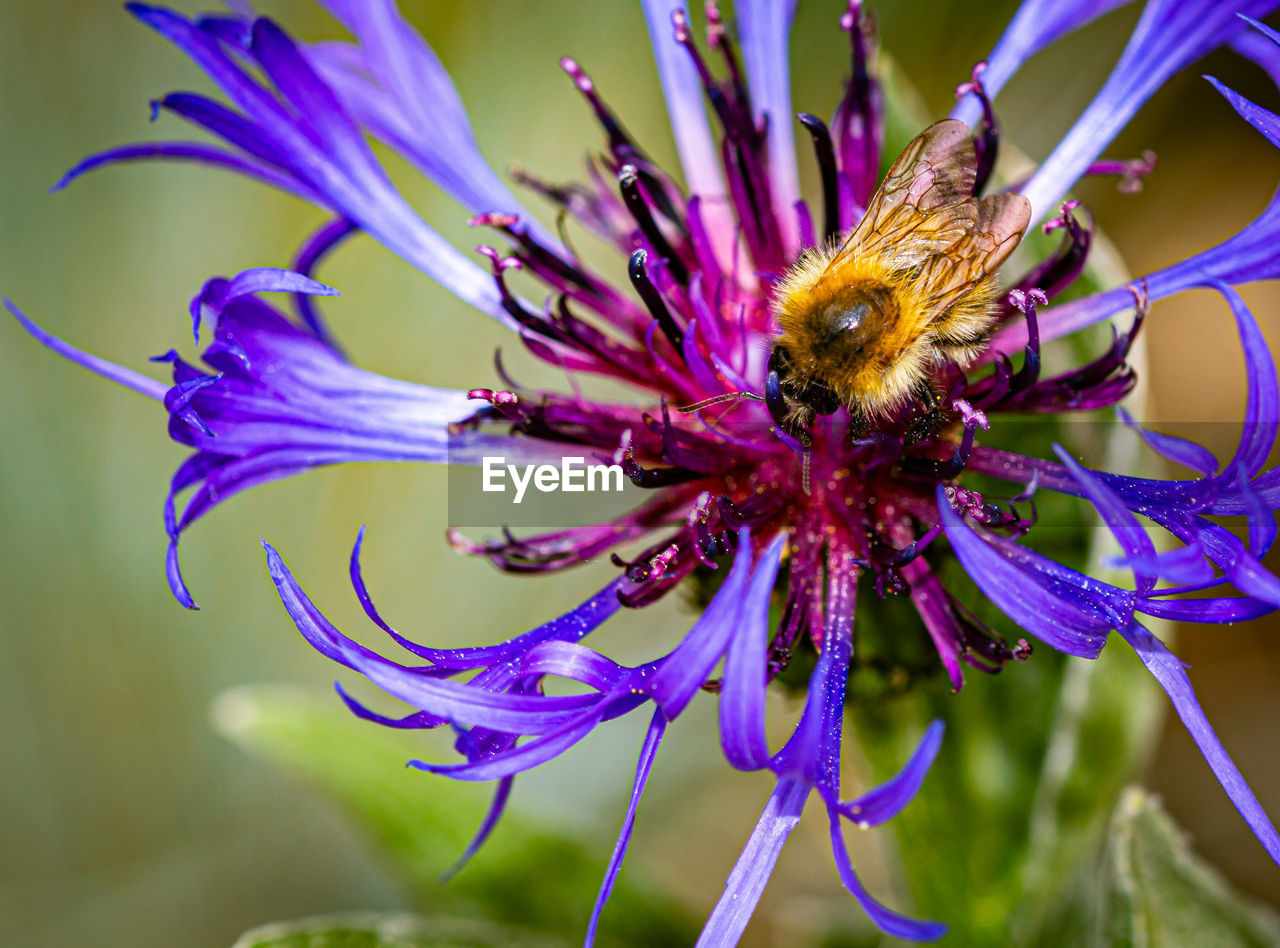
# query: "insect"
{"type": "Point", "coordinates": [864, 325]}
{"type": "Point", "coordinates": [912, 288]}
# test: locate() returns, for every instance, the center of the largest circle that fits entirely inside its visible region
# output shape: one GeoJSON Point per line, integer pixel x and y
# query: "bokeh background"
{"type": "Point", "coordinates": [124, 818]}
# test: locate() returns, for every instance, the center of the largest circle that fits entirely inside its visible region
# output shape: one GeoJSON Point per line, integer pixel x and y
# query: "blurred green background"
{"type": "Point", "coordinates": [125, 819]}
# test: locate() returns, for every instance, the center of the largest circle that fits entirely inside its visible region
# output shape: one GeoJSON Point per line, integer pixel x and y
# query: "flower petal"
{"type": "Point", "coordinates": [887, 920]}
{"type": "Point", "coordinates": [657, 726]}
{"type": "Point", "coordinates": [742, 691]}
{"type": "Point", "coordinates": [751, 872]}
{"type": "Point", "coordinates": [1172, 675]}
{"type": "Point", "coordinates": [886, 801]}
{"type": "Point", "coordinates": [764, 27]}
{"type": "Point", "coordinates": [1051, 610]}
{"type": "Point", "coordinates": [1036, 25]}
{"type": "Point", "coordinates": [1169, 35]}
{"type": "Point", "coordinates": [683, 673]}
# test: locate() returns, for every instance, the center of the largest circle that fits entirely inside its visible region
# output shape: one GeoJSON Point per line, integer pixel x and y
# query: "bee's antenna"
{"type": "Point", "coordinates": [804, 468]}
{"type": "Point", "coordinates": [727, 397]}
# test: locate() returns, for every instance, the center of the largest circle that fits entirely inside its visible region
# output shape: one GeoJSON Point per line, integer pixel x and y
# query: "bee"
{"type": "Point", "coordinates": [865, 325]}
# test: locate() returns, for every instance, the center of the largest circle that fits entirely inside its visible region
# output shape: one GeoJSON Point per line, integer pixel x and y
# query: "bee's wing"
{"type": "Point", "coordinates": [924, 217]}
{"type": "Point", "coordinates": [924, 205]}
{"type": "Point", "coordinates": [999, 222]}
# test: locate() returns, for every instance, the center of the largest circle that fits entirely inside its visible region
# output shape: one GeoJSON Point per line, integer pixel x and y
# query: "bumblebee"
{"type": "Point", "coordinates": [864, 325]}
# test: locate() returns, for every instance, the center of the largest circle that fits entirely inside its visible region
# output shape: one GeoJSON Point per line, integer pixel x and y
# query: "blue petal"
{"type": "Point", "coordinates": [887, 800]}
{"type": "Point", "coordinates": [496, 809]}
{"type": "Point", "coordinates": [1267, 122]}
{"type": "Point", "coordinates": [1053, 612]}
{"type": "Point", "coordinates": [1262, 411]}
{"type": "Point", "coordinates": [1124, 526]}
{"type": "Point", "coordinates": [1172, 675]}
{"type": "Point", "coordinates": [657, 726]}
{"type": "Point", "coordinates": [1179, 450]}
{"type": "Point", "coordinates": [689, 665]}
{"type": "Point", "coordinates": [108, 370]}
{"type": "Point", "coordinates": [686, 106]}
{"type": "Point", "coordinates": [455, 701]}
{"type": "Point", "coordinates": [742, 691]}
{"type": "Point", "coordinates": [1036, 25]}
{"type": "Point", "coordinates": [751, 872]}
{"type": "Point", "coordinates": [887, 920]}
{"type": "Point", "coordinates": [1169, 35]}
{"type": "Point", "coordinates": [764, 27]}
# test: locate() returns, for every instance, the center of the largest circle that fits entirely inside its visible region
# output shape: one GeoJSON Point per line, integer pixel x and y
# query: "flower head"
{"type": "Point", "coordinates": [785, 493]}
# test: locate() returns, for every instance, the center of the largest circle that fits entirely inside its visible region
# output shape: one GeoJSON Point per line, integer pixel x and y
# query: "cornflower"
{"type": "Point", "coordinates": [778, 514]}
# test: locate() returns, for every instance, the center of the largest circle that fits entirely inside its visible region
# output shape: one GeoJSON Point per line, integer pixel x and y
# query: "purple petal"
{"type": "Point", "coordinates": [574, 662]}
{"type": "Point", "coordinates": [455, 701]}
{"type": "Point", "coordinates": [1172, 675]}
{"type": "Point", "coordinates": [525, 757]}
{"type": "Point", "coordinates": [657, 726]}
{"type": "Point", "coordinates": [1228, 609]}
{"type": "Point", "coordinates": [414, 721]}
{"type": "Point", "coordinates": [812, 754]}
{"type": "Point", "coordinates": [1124, 526]}
{"type": "Point", "coordinates": [1243, 258]}
{"type": "Point", "coordinates": [573, 626]}
{"type": "Point", "coordinates": [1262, 45]}
{"type": "Point", "coordinates": [108, 370]}
{"type": "Point", "coordinates": [751, 872]}
{"type": "Point", "coordinates": [1262, 521]}
{"type": "Point", "coordinates": [496, 809]}
{"type": "Point", "coordinates": [1053, 612]}
{"type": "Point", "coordinates": [887, 800]}
{"type": "Point", "coordinates": [1036, 25]}
{"type": "Point", "coordinates": [1179, 450]}
{"type": "Point", "coordinates": [1267, 122]}
{"type": "Point", "coordinates": [887, 920]}
{"type": "Point", "coordinates": [195, 152]}
{"type": "Point", "coordinates": [1186, 564]}
{"type": "Point", "coordinates": [930, 599]}
{"type": "Point", "coordinates": [742, 691]}
{"type": "Point", "coordinates": [394, 85]}
{"type": "Point", "coordinates": [1262, 411]}
{"type": "Point", "coordinates": [764, 27]}
{"type": "Point", "coordinates": [1169, 35]}
{"type": "Point", "coordinates": [686, 106]}
{"type": "Point", "coordinates": [317, 247]}
{"type": "Point", "coordinates": [687, 668]}
{"type": "Point", "coordinates": [217, 293]}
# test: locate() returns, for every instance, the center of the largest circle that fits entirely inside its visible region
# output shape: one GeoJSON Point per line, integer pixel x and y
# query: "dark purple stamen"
{"type": "Point", "coordinates": [988, 143]}
{"type": "Point", "coordinates": [1030, 371]}
{"type": "Point", "coordinates": [634, 199]}
{"type": "Point", "coordinates": [826, 156]}
{"type": "Point", "coordinates": [858, 122]}
{"type": "Point", "coordinates": [653, 300]}
{"type": "Point", "coordinates": [1057, 272]}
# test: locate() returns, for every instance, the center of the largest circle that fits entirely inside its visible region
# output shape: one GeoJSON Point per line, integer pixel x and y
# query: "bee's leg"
{"type": "Point", "coordinates": [925, 424]}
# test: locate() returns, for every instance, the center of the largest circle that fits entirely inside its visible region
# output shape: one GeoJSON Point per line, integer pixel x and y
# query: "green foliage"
{"type": "Point", "coordinates": [1148, 889]}
{"type": "Point", "coordinates": [524, 875]}
{"type": "Point", "coordinates": [369, 930]}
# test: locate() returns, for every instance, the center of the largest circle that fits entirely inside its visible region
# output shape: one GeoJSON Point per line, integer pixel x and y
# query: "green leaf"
{"type": "Point", "coordinates": [523, 875]}
{"type": "Point", "coordinates": [1152, 891]}
{"type": "Point", "coordinates": [376, 930]}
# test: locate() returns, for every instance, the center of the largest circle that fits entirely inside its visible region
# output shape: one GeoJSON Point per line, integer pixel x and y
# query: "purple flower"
{"type": "Point", "coordinates": [737, 488]}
